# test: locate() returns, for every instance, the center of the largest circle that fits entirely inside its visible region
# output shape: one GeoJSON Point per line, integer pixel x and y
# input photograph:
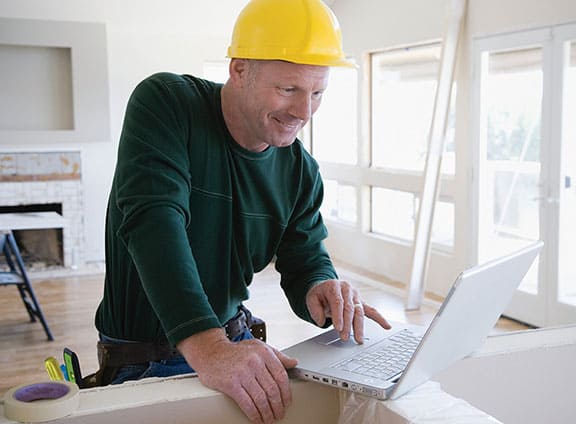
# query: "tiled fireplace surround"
{"type": "Point", "coordinates": [48, 178]}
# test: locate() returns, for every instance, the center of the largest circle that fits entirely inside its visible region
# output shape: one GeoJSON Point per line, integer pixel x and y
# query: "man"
{"type": "Point", "coordinates": [211, 184]}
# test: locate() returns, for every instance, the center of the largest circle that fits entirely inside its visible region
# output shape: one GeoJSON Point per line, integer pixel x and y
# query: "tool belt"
{"type": "Point", "coordinates": [113, 356]}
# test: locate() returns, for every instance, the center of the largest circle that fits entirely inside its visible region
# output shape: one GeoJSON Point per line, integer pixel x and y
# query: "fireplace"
{"type": "Point", "coordinates": [41, 248]}
{"type": "Point", "coordinates": [45, 182]}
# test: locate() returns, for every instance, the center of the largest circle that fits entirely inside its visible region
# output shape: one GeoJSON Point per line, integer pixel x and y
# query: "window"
{"type": "Point", "coordinates": [340, 202]}
{"type": "Point", "coordinates": [395, 213]}
{"type": "Point", "coordinates": [403, 92]}
{"type": "Point", "coordinates": [334, 133]}
{"type": "Point", "coordinates": [378, 192]}
{"type": "Point", "coordinates": [334, 125]}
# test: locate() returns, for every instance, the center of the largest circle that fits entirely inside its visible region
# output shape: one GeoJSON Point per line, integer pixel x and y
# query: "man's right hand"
{"type": "Point", "coordinates": [250, 372]}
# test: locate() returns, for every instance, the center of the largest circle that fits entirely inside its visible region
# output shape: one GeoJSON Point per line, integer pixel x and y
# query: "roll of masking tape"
{"type": "Point", "coordinates": [40, 402]}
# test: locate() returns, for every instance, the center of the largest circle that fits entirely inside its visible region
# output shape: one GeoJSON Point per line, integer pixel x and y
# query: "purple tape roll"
{"type": "Point", "coordinates": [41, 391]}
{"type": "Point", "coordinates": [42, 401]}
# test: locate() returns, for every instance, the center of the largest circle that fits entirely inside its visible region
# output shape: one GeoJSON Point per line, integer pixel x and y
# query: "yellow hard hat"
{"type": "Point", "coordinates": [298, 31]}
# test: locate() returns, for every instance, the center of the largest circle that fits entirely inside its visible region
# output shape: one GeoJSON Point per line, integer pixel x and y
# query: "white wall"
{"type": "Point", "coordinates": [143, 37]}
{"type": "Point", "coordinates": [369, 25]}
{"type": "Point", "coordinates": [377, 24]}
{"type": "Point", "coordinates": [146, 36]}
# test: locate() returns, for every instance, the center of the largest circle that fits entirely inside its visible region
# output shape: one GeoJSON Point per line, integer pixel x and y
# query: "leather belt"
{"type": "Point", "coordinates": [120, 354]}
{"type": "Point", "coordinates": [111, 354]}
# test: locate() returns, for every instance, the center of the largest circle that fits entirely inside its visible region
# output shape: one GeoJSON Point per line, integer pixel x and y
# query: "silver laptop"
{"type": "Point", "coordinates": [391, 362]}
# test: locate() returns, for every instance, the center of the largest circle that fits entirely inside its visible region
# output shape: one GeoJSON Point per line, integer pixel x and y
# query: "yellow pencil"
{"type": "Point", "coordinates": [53, 369]}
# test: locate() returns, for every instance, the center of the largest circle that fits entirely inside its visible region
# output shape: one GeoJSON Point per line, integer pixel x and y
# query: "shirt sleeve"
{"type": "Point", "coordinates": [153, 191]}
{"type": "Point", "coordinates": [302, 260]}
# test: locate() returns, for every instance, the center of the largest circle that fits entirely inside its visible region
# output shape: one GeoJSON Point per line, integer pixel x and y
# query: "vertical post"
{"type": "Point", "coordinates": [436, 137]}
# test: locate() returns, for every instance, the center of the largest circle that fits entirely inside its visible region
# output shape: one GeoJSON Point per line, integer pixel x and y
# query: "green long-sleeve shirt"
{"type": "Point", "coordinates": [192, 216]}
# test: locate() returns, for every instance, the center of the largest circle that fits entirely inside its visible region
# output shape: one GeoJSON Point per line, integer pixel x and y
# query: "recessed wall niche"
{"type": "Point", "coordinates": [33, 100]}
{"type": "Point", "coordinates": [53, 82]}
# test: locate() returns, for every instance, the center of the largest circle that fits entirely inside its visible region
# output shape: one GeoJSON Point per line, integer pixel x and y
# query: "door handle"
{"type": "Point", "coordinates": [548, 200]}
{"type": "Point", "coordinates": [567, 181]}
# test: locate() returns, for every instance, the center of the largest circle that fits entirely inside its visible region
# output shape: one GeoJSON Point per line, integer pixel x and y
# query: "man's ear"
{"type": "Point", "coordinates": [238, 69]}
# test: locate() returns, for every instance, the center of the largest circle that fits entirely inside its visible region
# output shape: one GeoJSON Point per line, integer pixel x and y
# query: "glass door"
{"type": "Point", "coordinates": [563, 301]}
{"type": "Point", "coordinates": [526, 147]}
{"type": "Point", "coordinates": [510, 168]}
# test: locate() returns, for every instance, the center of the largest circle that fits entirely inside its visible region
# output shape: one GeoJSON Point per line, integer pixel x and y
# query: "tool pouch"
{"type": "Point", "coordinates": [103, 377]}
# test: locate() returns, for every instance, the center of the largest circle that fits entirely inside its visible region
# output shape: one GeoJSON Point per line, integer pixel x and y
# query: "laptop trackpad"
{"type": "Point", "coordinates": [332, 338]}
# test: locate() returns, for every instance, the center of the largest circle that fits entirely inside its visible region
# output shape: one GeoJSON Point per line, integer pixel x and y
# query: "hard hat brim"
{"type": "Point", "coordinates": [317, 60]}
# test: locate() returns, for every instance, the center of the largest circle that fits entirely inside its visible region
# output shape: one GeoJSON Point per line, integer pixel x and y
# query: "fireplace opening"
{"type": "Point", "coordinates": [41, 249]}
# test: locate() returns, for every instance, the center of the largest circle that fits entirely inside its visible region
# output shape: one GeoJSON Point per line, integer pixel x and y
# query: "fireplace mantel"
{"type": "Point", "coordinates": [31, 221]}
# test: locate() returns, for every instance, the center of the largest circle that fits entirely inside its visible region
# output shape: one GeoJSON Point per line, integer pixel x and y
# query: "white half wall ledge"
{"type": "Point", "coordinates": [525, 377]}
{"type": "Point", "coordinates": [184, 399]}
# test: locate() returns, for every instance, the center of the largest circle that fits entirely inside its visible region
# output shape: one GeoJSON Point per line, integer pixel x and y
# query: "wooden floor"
{"type": "Point", "coordinates": [69, 305]}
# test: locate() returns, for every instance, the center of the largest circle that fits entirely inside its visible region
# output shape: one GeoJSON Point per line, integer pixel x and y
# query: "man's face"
{"type": "Point", "coordinates": [279, 98]}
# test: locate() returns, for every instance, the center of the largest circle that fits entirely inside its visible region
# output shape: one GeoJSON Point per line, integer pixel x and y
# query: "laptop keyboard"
{"type": "Point", "coordinates": [385, 361]}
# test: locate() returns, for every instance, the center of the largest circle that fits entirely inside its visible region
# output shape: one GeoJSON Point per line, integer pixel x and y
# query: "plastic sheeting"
{"type": "Point", "coordinates": [426, 404]}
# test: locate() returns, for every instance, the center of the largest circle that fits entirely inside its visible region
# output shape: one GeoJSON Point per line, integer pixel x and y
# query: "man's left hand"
{"type": "Point", "coordinates": [340, 301]}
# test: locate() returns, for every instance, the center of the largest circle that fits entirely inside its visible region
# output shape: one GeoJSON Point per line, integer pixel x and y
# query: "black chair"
{"type": "Point", "coordinates": [16, 275]}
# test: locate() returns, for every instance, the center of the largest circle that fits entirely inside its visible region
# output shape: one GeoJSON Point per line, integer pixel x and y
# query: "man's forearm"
{"type": "Point", "coordinates": [199, 347]}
